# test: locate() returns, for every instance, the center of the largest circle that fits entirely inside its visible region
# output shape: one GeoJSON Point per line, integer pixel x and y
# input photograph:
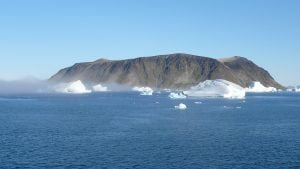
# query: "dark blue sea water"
{"type": "Point", "coordinates": [126, 130]}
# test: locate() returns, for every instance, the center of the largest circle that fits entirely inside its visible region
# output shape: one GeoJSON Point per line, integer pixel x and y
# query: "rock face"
{"type": "Point", "coordinates": [176, 71]}
{"type": "Point", "coordinates": [246, 71]}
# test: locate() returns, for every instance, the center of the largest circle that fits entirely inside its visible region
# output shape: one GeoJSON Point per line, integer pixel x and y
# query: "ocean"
{"type": "Point", "coordinates": [126, 130]}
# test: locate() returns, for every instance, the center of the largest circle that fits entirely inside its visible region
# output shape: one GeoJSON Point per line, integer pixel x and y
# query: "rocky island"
{"type": "Point", "coordinates": [174, 71]}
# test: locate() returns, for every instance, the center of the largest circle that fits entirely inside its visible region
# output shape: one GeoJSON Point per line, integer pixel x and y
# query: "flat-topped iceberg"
{"type": "Point", "coordinates": [76, 87]}
{"type": "Point", "coordinates": [181, 106]}
{"type": "Point", "coordinates": [217, 88]}
{"type": "Point", "coordinates": [99, 88]}
{"type": "Point", "coordinates": [179, 95]}
{"type": "Point", "coordinates": [257, 87]}
{"type": "Point", "coordinates": [143, 90]}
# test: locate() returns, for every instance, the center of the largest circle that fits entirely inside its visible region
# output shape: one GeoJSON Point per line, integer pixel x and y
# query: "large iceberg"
{"type": "Point", "coordinates": [179, 95]}
{"type": "Point", "coordinates": [99, 88]}
{"type": "Point", "coordinates": [143, 90]}
{"type": "Point", "coordinates": [258, 87]}
{"type": "Point", "coordinates": [76, 87]}
{"type": "Point", "coordinates": [217, 88]}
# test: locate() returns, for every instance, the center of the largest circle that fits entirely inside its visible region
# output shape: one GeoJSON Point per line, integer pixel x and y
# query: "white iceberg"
{"type": "Point", "coordinates": [293, 89]}
{"type": "Point", "coordinates": [143, 90]}
{"type": "Point", "coordinates": [257, 87]}
{"type": "Point", "coordinates": [76, 87]}
{"type": "Point", "coordinates": [167, 90]}
{"type": "Point", "coordinates": [179, 95]}
{"type": "Point", "coordinates": [99, 88]}
{"type": "Point", "coordinates": [181, 106]}
{"type": "Point", "coordinates": [217, 88]}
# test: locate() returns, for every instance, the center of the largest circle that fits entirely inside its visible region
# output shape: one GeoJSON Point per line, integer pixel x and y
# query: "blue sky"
{"type": "Point", "coordinates": [37, 38]}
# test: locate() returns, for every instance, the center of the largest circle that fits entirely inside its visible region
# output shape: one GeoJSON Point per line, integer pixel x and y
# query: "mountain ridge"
{"type": "Point", "coordinates": [176, 71]}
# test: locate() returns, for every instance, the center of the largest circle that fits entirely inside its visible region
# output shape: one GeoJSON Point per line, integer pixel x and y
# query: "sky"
{"type": "Point", "coordinates": [37, 38]}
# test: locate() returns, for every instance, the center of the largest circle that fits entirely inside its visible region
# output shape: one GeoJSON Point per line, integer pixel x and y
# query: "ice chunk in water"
{"type": "Point", "coordinates": [181, 106]}
{"type": "Point", "coordinates": [257, 87]}
{"type": "Point", "coordinates": [76, 87]}
{"type": "Point", "coordinates": [179, 95]}
{"type": "Point", "coordinates": [143, 90]}
{"type": "Point", "coordinates": [99, 88]}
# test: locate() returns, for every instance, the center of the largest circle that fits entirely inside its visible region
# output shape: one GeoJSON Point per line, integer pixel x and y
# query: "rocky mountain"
{"type": "Point", "coordinates": [177, 71]}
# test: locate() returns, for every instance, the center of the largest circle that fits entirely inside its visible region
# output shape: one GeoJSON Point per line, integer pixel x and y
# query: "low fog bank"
{"type": "Point", "coordinates": [24, 86]}
{"type": "Point", "coordinates": [78, 87]}
{"type": "Point", "coordinates": [33, 86]}
{"type": "Point", "coordinates": [208, 88]}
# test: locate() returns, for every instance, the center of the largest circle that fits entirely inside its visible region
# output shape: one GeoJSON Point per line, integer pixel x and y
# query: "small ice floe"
{"type": "Point", "coordinates": [181, 106]}
{"type": "Point", "coordinates": [76, 87]}
{"type": "Point", "coordinates": [167, 90]}
{"type": "Point", "coordinates": [198, 102]}
{"type": "Point", "coordinates": [257, 87]}
{"type": "Point", "coordinates": [238, 107]}
{"type": "Point", "coordinates": [143, 90]}
{"type": "Point", "coordinates": [156, 102]}
{"type": "Point", "coordinates": [99, 88]}
{"type": "Point", "coordinates": [179, 95]}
